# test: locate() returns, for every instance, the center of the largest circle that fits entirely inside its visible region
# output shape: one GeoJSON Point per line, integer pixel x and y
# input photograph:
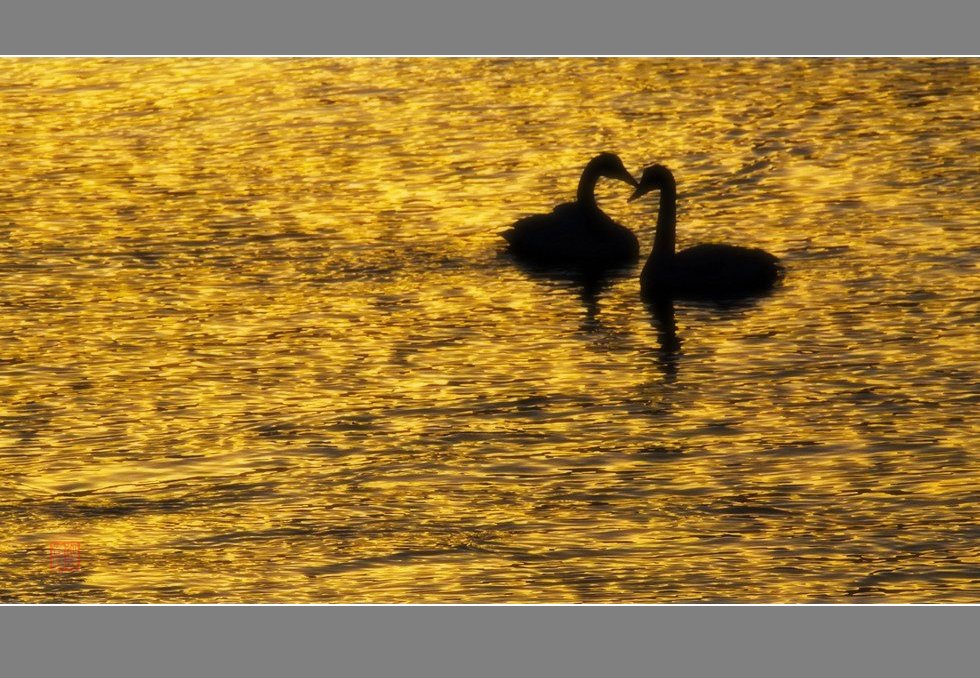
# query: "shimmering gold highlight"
{"type": "Point", "coordinates": [259, 344]}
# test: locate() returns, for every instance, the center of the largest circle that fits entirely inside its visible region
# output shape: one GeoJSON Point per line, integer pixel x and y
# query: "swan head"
{"type": "Point", "coordinates": [654, 177]}
{"type": "Point", "coordinates": [610, 166]}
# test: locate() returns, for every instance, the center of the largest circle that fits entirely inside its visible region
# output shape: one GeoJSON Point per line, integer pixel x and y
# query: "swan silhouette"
{"type": "Point", "coordinates": [578, 234]}
{"type": "Point", "coordinates": [709, 272]}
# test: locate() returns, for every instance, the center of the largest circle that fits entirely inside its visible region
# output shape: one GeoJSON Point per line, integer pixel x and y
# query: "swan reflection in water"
{"type": "Point", "coordinates": [664, 323]}
{"type": "Point", "coordinates": [588, 283]}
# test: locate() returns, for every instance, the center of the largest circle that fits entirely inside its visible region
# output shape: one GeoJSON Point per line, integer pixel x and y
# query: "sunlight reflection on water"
{"type": "Point", "coordinates": [259, 342]}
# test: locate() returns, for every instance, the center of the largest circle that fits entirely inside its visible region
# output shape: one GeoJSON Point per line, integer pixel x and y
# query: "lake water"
{"type": "Point", "coordinates": [259, 343]}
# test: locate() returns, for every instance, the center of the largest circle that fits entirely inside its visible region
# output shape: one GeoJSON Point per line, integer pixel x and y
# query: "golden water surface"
{"type": "Point", "coordinates": [258, 341]}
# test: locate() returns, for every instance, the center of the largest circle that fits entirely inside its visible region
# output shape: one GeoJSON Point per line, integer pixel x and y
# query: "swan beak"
{"type": "Point", "coordinates": [629, 179]}
{"type": "Point", "coordinates": [640, 191]}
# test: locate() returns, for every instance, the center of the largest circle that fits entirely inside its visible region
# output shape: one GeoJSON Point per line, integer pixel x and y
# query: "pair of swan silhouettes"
{"type": "Point", "coordinates": [581, 236]}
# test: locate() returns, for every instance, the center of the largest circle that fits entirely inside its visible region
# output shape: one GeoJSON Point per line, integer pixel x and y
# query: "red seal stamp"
{"type": "Point", "coordinates": [65, 556]}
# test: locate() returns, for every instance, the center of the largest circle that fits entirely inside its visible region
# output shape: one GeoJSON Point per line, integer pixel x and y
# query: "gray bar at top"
{"type": "Point", "coordinates": [465, 27]}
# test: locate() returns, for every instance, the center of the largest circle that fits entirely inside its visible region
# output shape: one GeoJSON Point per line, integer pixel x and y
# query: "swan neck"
{"type": "Point", "coordinates": [585, 196]}
{"type": "Point", "coordinates": [664, 240]}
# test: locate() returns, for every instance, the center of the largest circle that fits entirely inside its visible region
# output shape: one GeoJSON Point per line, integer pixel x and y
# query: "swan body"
{"type": "Point", "coordinates": [578, 233]}
{"type": "Point", "coordinates": [710, 271]}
